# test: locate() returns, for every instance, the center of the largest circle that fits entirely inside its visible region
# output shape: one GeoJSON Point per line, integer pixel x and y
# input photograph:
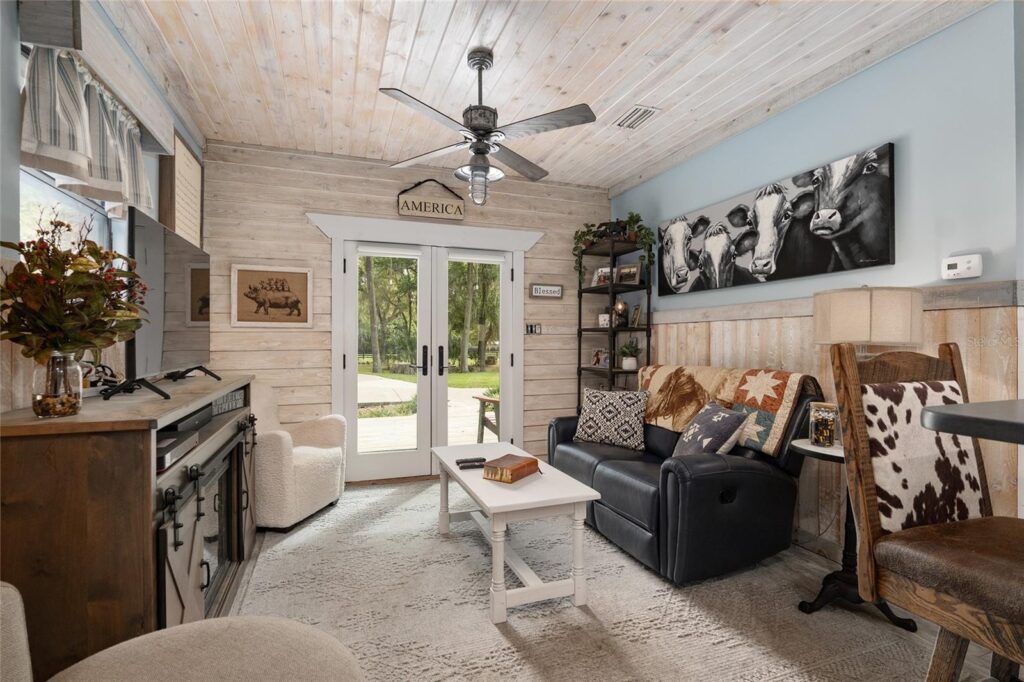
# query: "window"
{"type": "Point", "coordinates": [40, 195]}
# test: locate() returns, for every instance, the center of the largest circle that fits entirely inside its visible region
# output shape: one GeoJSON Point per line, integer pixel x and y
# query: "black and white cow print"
{"type": "Point", "coordinates": [922, 477]}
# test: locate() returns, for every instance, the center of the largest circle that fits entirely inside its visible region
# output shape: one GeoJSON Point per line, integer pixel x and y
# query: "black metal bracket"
{"type": "Point", "coordinates": [171, 499]}
{"type": "Point", "coordinates": [423, 182]}
{"type": "Point", "coordinates": [131, 387]}
{"type": "Point", "coordinates": [184, 373]}
{"type": "Point", "coordinates": [195, 474]}
{"type": "Point", "coordinates": [245, 425]}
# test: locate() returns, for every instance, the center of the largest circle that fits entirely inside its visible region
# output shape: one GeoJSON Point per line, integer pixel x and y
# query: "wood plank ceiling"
{"type": "Point", "coordinates": [304, 75]}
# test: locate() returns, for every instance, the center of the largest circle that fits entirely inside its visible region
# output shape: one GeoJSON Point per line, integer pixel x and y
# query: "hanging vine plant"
{"type": "Point", "coordinates": [583, 238]}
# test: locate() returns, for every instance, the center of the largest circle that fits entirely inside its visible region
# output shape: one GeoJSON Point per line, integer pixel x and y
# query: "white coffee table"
{"type": "Point", "coordinates": [551, 493]}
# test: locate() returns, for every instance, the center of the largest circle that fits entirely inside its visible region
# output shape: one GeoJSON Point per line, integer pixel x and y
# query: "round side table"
{"type": "Point", "coordinates": [842, 584]}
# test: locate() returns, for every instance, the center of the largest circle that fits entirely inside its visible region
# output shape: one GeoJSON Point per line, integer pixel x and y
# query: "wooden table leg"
{"type": "Point", "coordinates": [579, 579]}
{"type": "Point", "coordinates": [442, 515]}
{"type": "Point", "coordinates": [499, 608]}
{"type": "Point", "coordinates": [480, 422]}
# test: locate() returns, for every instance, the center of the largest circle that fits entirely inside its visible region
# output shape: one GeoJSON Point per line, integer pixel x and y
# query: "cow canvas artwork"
{"type": "Point", "coordinates": [271, 297]}
{"type": "Point", "coordinates": [834, 217]}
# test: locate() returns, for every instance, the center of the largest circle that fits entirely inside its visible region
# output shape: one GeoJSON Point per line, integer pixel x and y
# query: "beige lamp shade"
{"type": "Point", "coordinates": [876, 316]}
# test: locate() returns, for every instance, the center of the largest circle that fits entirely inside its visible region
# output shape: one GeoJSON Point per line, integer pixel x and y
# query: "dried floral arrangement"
{"type": "Point", "coordinates": [69, 299]}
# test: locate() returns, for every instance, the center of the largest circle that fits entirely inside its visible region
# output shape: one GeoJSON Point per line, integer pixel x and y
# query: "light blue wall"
{"type": "Point", "coordinates": [1018, 30]}
{"type": "Point", "coordinates": [948, 104]}
{"type": "Point", "coordinates": [10, 120]}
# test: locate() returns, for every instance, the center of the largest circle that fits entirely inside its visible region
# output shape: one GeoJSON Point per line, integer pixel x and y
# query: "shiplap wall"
{"type": "Point", "coordinates": [989, 342]}
{"type": "Point", "coordinates": [255, 207]}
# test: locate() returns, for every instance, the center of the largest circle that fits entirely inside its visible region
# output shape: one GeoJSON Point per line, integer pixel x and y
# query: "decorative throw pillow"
{"type": "Point", "coordinates": [921, 477]}
{"type": "Point", "coordinates": [613, 417]}
{"type": "Point", "coordinates": [714, 429]}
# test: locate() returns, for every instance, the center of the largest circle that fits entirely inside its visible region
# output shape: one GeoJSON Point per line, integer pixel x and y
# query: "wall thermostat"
{"type": "Point", "coordinates": [961, 267]}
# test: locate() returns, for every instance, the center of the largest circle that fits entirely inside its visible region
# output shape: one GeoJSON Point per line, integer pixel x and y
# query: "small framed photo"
{"type": "Point", "coordinates": [600, 358]}
{"type": "Point", "coordinates": [601, 276]}
{"type": "Point", "coordinates": [604, 320]}
{"type": "Point", "coordinates": [197, 294]}
{"type": "Point", "coordinates": [263, 296]}
{"type": "Point", "coordinates": [628, 274]}
{"type": "Point", "coordinates": [634, 318]}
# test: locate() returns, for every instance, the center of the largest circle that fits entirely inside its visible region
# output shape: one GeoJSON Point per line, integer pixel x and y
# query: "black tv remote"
{"type": "Point", "coordinates": [472, 465]}
{"type": "Point", "coordinates": [470, 460]}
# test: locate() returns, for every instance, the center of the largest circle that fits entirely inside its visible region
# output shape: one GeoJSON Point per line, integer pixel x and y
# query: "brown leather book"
{"type": "Point", "coordinates": [510, 468]}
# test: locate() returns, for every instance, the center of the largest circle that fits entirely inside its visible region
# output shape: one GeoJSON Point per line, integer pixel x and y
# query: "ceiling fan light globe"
{"type": "Point", "coordinates": [478, 187]}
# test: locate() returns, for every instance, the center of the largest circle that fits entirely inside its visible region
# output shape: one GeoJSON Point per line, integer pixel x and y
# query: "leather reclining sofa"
{"type": "Point", "coordinates": [693, 517]}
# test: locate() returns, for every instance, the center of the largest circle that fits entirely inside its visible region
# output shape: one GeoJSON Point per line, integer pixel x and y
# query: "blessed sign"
{"type": "Point", "coordinates": [424, 201]}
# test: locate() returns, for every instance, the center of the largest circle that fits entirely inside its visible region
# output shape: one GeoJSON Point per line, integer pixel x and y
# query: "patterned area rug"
{"type": "Point", "coordinates": [413, 605]}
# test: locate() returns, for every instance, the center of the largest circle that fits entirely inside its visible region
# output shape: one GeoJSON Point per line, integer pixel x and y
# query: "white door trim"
{"type": "Point", "coordinates": [340, 228]}
{"type": "Point", "coordinates": [355, 228]}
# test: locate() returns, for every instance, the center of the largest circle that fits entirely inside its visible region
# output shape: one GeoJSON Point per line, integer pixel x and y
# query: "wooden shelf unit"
{"type": "Point", "coordinates": [613, 249]}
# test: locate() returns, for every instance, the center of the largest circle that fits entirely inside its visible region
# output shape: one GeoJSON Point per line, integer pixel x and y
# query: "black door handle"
{"type": "Point", "coordinates": [440, 361]}
{"type": "Point", "coordinates": [426, 360]}
{"type": "Point", "coordinates": [206, 583]}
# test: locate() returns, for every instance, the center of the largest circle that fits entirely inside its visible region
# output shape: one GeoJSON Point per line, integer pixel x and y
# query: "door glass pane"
{"type": "Point", "coordinates": [388, 345]}
{"type": "Point", "coordinates": [473, 342]}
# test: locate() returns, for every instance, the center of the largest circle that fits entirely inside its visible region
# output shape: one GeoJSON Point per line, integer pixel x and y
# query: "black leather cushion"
{"type": "Point", "coordinates": [659, 441]}
{"type": "Point", "coordinates": [630, 487]}
{"type": "Point", "coordinates": [636, 541]}
{"type": "Point", "coordinates": [579, 460]}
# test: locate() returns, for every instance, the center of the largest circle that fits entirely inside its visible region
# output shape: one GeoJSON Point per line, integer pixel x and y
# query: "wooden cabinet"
{"type": "Point", "coordinates": [101, 546]}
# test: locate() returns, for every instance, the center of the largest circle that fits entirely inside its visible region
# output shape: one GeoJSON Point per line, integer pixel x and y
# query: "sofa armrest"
{"type": "Point", "coordinates": [560, 430]}
{"type": "Point", "coordinates": [720, 513]}
{"type": "Point", "coordinates": [324, 432]}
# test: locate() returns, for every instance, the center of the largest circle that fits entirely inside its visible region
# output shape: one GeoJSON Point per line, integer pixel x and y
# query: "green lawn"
{"type": "Point", "coordinates": [481, 380]}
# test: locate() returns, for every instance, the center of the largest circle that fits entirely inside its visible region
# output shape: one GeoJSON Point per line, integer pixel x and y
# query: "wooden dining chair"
{"type": "Point", "coordinates": [927, 539]}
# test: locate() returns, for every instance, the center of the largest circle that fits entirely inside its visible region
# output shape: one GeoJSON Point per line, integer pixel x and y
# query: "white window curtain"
{"type": "Point", "coordinates": [74, 128]}
{"type": "Point", "coordinates": [55, 122]}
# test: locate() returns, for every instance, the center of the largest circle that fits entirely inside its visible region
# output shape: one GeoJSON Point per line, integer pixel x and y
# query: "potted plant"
{"type": "Point", "coordinates": [59, 301]}
{"type": "Point", "coordinates": [628, 352]}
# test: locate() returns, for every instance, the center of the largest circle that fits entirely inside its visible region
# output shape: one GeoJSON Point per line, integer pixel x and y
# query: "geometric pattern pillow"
{"type": "Point", "coordinates": [714, 429]}
{"type": "Point", "coordinates": [612, 417]}
{"type": "Point", "coordinates": [922, 477]}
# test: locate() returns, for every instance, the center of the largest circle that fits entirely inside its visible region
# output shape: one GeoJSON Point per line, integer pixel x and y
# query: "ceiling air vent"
{"type": "Point", "coordinates": [636, 117]}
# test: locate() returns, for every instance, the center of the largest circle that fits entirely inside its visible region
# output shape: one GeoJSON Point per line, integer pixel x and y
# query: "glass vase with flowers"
{"type": "Point", "coordinates": [67, 295]}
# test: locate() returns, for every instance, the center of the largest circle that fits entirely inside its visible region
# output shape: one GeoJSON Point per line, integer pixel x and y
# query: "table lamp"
{"type": "Point", "coordinates": [869, 316]}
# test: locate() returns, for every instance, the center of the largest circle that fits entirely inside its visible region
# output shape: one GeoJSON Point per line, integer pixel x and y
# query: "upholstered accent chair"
{"type": "Point", "coordinates": [928, 540]}
{"type": "Point", "coordinates": [240, 648]}
{"type": "Point", "coordinates": [300, 468]}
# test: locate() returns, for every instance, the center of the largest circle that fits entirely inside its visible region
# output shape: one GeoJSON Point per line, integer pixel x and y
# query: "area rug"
{"type": "Point", "coordinates": [413, 605]}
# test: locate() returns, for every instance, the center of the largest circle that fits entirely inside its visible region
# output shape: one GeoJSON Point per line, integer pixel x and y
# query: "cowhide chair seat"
{"type": "Point", "coordinates": [927, 539]}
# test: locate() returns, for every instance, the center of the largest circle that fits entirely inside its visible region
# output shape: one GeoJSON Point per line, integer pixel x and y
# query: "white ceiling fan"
{"type": "Point", "coordinates": [482, 135]}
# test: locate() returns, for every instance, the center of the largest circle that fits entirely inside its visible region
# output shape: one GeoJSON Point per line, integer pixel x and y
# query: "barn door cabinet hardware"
{"type": "Point", "coordinates": [138, 532]}
{"type": "Point", "coordinates": [612, 241]}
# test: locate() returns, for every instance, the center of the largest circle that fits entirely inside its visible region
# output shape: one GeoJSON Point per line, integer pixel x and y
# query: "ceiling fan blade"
{"type": "Point", "coordinates": [425, 109]}
{"type": "Point", "coordinates": [430, 155]}
{"type": "Point", "coordinates": [520, 164]}
{"type": "Point", "coordinates": [553, 120]}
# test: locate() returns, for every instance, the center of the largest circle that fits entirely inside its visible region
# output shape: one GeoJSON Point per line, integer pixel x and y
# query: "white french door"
{"type": "Point", "coordinates": [427, 354]}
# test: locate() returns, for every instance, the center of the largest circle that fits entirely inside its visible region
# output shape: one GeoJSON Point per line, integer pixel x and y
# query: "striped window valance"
{"type": "Point", "coordinates": [75, 129]}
